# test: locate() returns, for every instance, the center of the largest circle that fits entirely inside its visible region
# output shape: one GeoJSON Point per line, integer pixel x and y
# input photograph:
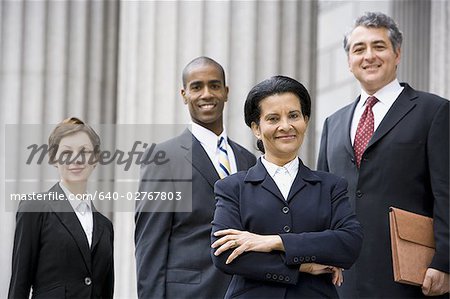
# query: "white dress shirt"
{"type": "Point", "coordinates": [83, 210]}
{"type": "Point", "coordinates": [208, 140]}
{"type": "Point", "coordinates": [386, 97]}
{"type": "Point", "coordinates": [283, 176]}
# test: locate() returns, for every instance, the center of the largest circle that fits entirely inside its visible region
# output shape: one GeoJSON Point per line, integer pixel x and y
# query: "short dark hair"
{"type": "Point", "coordinates": [200, 61]}
{"type": "Point", "coordinates": [67, 127]}
{"type": "Point", "coordinates": [377, 20]}
{"type": "Point", "coordinates": [269, 87]}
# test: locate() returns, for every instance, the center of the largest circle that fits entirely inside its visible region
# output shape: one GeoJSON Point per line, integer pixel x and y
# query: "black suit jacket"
{"type": "Point", "coordinates": [51, 253]}
{"type": "Point", "coordinates": [316, 224]}
{"type": "Point", "coordinates": [405, 165]}
{"type": "Point", "coordinates": [172, 248]}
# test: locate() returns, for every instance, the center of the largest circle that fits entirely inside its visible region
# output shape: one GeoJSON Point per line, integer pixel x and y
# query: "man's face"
{"type": "Point", "coordinates": [371, 58]}
{"type": "Point", "coordinates": [205, 94]}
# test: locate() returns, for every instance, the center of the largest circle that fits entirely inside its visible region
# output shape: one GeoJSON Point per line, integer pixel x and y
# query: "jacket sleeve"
{"type": "Point", "coordinates": [322, 161]}
{"type": "Point", "coordinates": [438, 161]}
{"type": "Point", "coordinates": [152, 234]}
{"type": "Point", "coordinates": [25, 250]}
{"type": "Point", "coordinates": [337, 246]}
{"type": "Point", "coordinates": [254, 265]}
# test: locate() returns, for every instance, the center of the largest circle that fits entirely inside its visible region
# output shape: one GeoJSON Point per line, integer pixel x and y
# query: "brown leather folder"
{"type": "Point", "coordinates": [412, 243]}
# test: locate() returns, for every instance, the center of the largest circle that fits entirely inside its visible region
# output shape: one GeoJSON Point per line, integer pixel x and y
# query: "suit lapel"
{"type": "Point", "coordinates": [269, 185]}
{"type": "Point", "coordinates": [97, 228]}
{"type": "Point", "coordinates": [399, 109]}
{"type": "Point", "coordinates": [258, 173]}
{"type": "Point", "coordinates": [196, 155]}
{"type": "Point", "coordinates": [348, 116]}
{"type": "Point", "coordinates": [304, 175]}
{"type": "Point", "coordinates": [241, 161]}
{"type": "Point", "coordinates": [68, 218]}
{"type": "Point", "coordinates": [297, 185]}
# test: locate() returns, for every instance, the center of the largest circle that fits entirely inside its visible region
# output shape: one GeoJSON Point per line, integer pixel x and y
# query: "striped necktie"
{"type": "Point", "coordinates": [224, 162]}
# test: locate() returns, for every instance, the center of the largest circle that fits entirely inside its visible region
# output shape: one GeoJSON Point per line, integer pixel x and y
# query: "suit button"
{"type": "Point", "coordinates": [307, 259]}
{"type": "Point", "coordinates": [287, 279]}
{"type": "Point", "coordinates": [313, 258]}
{"type": "Point", "coordinates": [295, 259]}
{"type": "Point", "coordinates": [353, 161]}
{"type": "Point", "coordinates": [87, 281]}
{"type": "Point", "coordinates": [275, 276]}
{"type": "Point", "coordinates": [280, 277]}
{"type": "Point", "coordinates": [302, 259]}
{"type": "Point", "coordinates": [359, 193]}
{"type": "Point", "coordinates": [285, 210]}
{"type": "Point", "coordinates": [286, 229]}
{"type": "Point", "coordinates": [268, 276]}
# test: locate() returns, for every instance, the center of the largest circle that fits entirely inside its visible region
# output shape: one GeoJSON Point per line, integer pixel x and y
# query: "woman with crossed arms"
{"type": "Point", "coordinates": [281, 229]}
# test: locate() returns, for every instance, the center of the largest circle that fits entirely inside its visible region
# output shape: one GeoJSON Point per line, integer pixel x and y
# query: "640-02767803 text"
{"type": "Point", "coordinates": [153, 195]}
{"type": "Point", "coordinates": [103, 196]}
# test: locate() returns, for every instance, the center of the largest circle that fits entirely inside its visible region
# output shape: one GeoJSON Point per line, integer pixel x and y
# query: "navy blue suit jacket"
{"type": "Point", "coordinates": [316, 224]}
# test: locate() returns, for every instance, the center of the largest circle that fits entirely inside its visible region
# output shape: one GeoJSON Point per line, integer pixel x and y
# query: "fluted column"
{"type": "Point", "coordinates": [57, 59]}
{"type": "Point", "coordinates": [439, 48]}
{"type": "Point", "coordinates": [413, 18]}
{"type": "Point", "coordinates": [74, 58]}
{"type": "Point", "coordinates": [425, 60]}
{"type": "Point", "coordinates": [252, 40]}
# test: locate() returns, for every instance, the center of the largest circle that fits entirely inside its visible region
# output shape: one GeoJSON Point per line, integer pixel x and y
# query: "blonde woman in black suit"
{"type": "Point", "coordinates": [64, 248]}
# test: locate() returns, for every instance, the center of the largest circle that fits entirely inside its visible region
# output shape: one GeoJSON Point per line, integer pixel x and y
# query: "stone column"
{"type": "Point", "coordinates": [439, 78]}
{"type": "Point", "coordinates": [413, 18]}
{"type": "Point", "coordinates": [253, 40]}
{"type": "Point", "coordinates": [57, 59]}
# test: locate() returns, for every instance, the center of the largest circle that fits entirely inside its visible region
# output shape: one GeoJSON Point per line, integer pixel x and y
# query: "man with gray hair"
{"type": "Point", "coordinates": [392, 145]}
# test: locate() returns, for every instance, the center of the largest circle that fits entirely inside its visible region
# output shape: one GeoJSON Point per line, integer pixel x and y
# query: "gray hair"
{"type": "Point", "coordinates": [377, 20]}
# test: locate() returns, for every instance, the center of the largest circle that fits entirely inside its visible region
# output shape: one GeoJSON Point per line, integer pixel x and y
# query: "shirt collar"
{"type": "Point", "coordinates": [291, 167]}
{"type": "Point", "coordinates": [206, 137]}
{"type": "Point", "coordinates": [74, 202]}
{"type": "Point", "coordinates": [386, 95]}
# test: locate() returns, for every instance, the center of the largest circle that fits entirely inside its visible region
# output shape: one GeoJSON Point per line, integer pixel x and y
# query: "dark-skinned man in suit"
{"type": "Point", "coordinates": [172, 248]}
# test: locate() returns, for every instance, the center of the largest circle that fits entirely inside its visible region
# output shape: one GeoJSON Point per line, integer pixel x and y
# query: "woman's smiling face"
{"type": "Point", "coordinates": [73, 156]}
{"type": "Point", "coordinates": [281, 127]}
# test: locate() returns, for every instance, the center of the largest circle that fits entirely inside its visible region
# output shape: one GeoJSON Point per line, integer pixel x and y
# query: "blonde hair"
{"type": "Point", "coordinates": [67, 127]}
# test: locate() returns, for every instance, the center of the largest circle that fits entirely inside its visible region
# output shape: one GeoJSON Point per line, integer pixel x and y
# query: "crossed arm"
{"type": "Point", "coordinates": [244, 241]}
{"type": "Point", "coordinates": [238, 251]}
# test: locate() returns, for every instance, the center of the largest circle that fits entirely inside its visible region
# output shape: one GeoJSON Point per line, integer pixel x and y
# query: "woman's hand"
{"type": "Point", "coordinates": [244, 241]}
{"type": "Point", "coordinates": [317, 269]}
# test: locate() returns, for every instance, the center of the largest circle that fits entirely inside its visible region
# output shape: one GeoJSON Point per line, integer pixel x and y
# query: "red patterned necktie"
{"type": "Point", "coordinates": [365, 130]}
